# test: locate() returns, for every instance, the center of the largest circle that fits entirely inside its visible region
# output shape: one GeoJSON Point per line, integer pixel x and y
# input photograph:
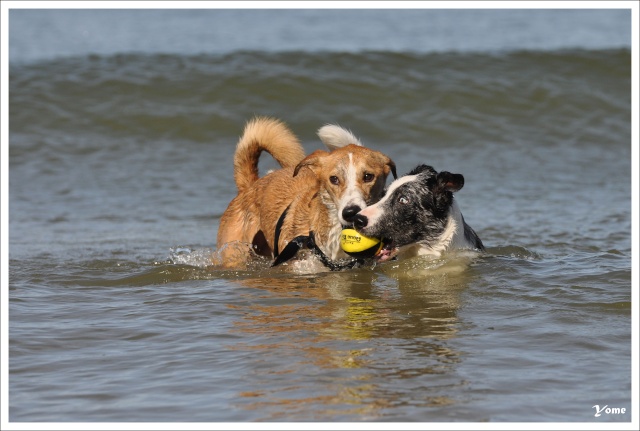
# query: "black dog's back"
{"type": "Point", "coordinates": [472, 236]}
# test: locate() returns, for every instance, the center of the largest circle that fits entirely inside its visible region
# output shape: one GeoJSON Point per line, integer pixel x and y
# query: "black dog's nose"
{"type": "Point", "coordinates": [360, 221]}
{"type": "Point", "coordinates": [349, 212]}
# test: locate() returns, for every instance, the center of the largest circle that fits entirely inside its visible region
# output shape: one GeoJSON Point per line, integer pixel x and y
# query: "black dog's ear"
{"type": "Point", "coordinates": [446, 184]}
{"type": "Point", "coordinates": [450, 182]}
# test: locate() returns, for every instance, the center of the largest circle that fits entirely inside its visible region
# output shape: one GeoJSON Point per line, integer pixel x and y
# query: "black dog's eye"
{"type": "Point", "coordinates": [368, 178]}
{"type": "Point", "coordinates": [334, 180]}
{"type": "Point", "coordinates": [403, 200]}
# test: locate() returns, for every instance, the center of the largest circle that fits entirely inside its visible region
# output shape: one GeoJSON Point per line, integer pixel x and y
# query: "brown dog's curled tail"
{"type": "Point", "coordinates": [264, 134]}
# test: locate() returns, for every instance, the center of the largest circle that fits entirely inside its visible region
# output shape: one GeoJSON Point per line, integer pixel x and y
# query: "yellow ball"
{"type": "Point", "coordinates": [358, 245]}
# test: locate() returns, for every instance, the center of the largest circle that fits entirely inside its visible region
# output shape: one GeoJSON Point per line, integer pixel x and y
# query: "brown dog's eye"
{"type": "Point", "coordinates": [334, 180]}
{"type": "Point", "coordinates": [368, 178]}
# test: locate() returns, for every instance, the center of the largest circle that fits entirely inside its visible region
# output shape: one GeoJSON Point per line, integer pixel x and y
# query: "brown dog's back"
{"type": "Point", "coordinates": [314, 194]}
{"type": "Point", "coordinates": [241, 220]}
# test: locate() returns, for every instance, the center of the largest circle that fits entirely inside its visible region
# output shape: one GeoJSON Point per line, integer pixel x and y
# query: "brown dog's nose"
{"type": "Point", "coordinates": [360, 221]}
{"type": "Point", "coordinates": [349, 212]}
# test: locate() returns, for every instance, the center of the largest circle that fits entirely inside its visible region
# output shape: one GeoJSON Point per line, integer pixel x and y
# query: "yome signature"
{"type": "Point", "coordinates": [609, 410]}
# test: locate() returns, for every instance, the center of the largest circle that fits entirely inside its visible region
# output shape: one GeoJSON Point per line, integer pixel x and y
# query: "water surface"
{"type": "Point", "coordinates": [121, 166]}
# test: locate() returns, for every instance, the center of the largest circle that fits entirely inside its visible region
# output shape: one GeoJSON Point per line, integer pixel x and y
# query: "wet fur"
{"type": "Point", "coordinates": [420, 215]}
{"type": "Point", "coordinates": [317, 191]}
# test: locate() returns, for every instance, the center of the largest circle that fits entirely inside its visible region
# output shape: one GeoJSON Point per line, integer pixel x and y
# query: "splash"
{"type": "Point", "coordinates": [210, 258]}
{"type": "Point", "coordinates": [198, 257]}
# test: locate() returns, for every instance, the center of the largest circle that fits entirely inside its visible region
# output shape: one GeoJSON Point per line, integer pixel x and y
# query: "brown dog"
{"type": "Point", "coordinates": [316, 195]}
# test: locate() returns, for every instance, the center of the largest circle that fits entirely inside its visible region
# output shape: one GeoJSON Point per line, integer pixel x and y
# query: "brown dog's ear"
{"type": "Point", "coordinates": [313, 161]}
{"type": "Point", "coordinates": [389, 165]}
{"type": "Point", "coordinates": [392, 166]}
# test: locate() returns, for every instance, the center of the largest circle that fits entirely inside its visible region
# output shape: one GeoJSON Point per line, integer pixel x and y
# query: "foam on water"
{"type": "Point", "coordinates": [200, 258]}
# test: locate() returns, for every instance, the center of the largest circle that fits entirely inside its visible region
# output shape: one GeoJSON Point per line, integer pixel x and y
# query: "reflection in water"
{"type": "Point", "coordinates": [336, 344]}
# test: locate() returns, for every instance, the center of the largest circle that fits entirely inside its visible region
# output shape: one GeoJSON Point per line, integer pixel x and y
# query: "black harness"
{"type": "Point", "coordinates": [308, 242]}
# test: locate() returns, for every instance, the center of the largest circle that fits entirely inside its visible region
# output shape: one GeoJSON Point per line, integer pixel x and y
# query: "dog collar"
{"type": "Point", "coordinates": [309, 242]}
{"type": "Point", "coordinates": [304, 241]}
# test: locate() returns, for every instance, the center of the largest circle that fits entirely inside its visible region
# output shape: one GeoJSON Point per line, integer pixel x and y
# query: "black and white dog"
{"type": "Point", "coordinates": [419, 216]}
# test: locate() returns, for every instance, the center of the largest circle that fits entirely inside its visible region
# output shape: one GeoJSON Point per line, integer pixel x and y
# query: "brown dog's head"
{"type": "Point", "coordinates": [351, 178]}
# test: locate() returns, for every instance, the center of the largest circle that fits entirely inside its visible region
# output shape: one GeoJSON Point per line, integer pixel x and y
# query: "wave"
{"type": "Point", "coordinates": [198, 98]}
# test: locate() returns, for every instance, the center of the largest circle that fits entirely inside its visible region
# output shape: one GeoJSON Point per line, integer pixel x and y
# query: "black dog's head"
{"type": "Point", "coordinates": [414, 209]}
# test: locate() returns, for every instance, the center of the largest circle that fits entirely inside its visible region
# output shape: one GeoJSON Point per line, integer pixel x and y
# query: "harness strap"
{"type": "Point", "coordinates": [278, 230]}
{"type": "Point", "coordinates": [304, 241]}
{"type": "Point", "coordinates": [333, 266]}
{"type": "Point", "coordinates": [309, 242]}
